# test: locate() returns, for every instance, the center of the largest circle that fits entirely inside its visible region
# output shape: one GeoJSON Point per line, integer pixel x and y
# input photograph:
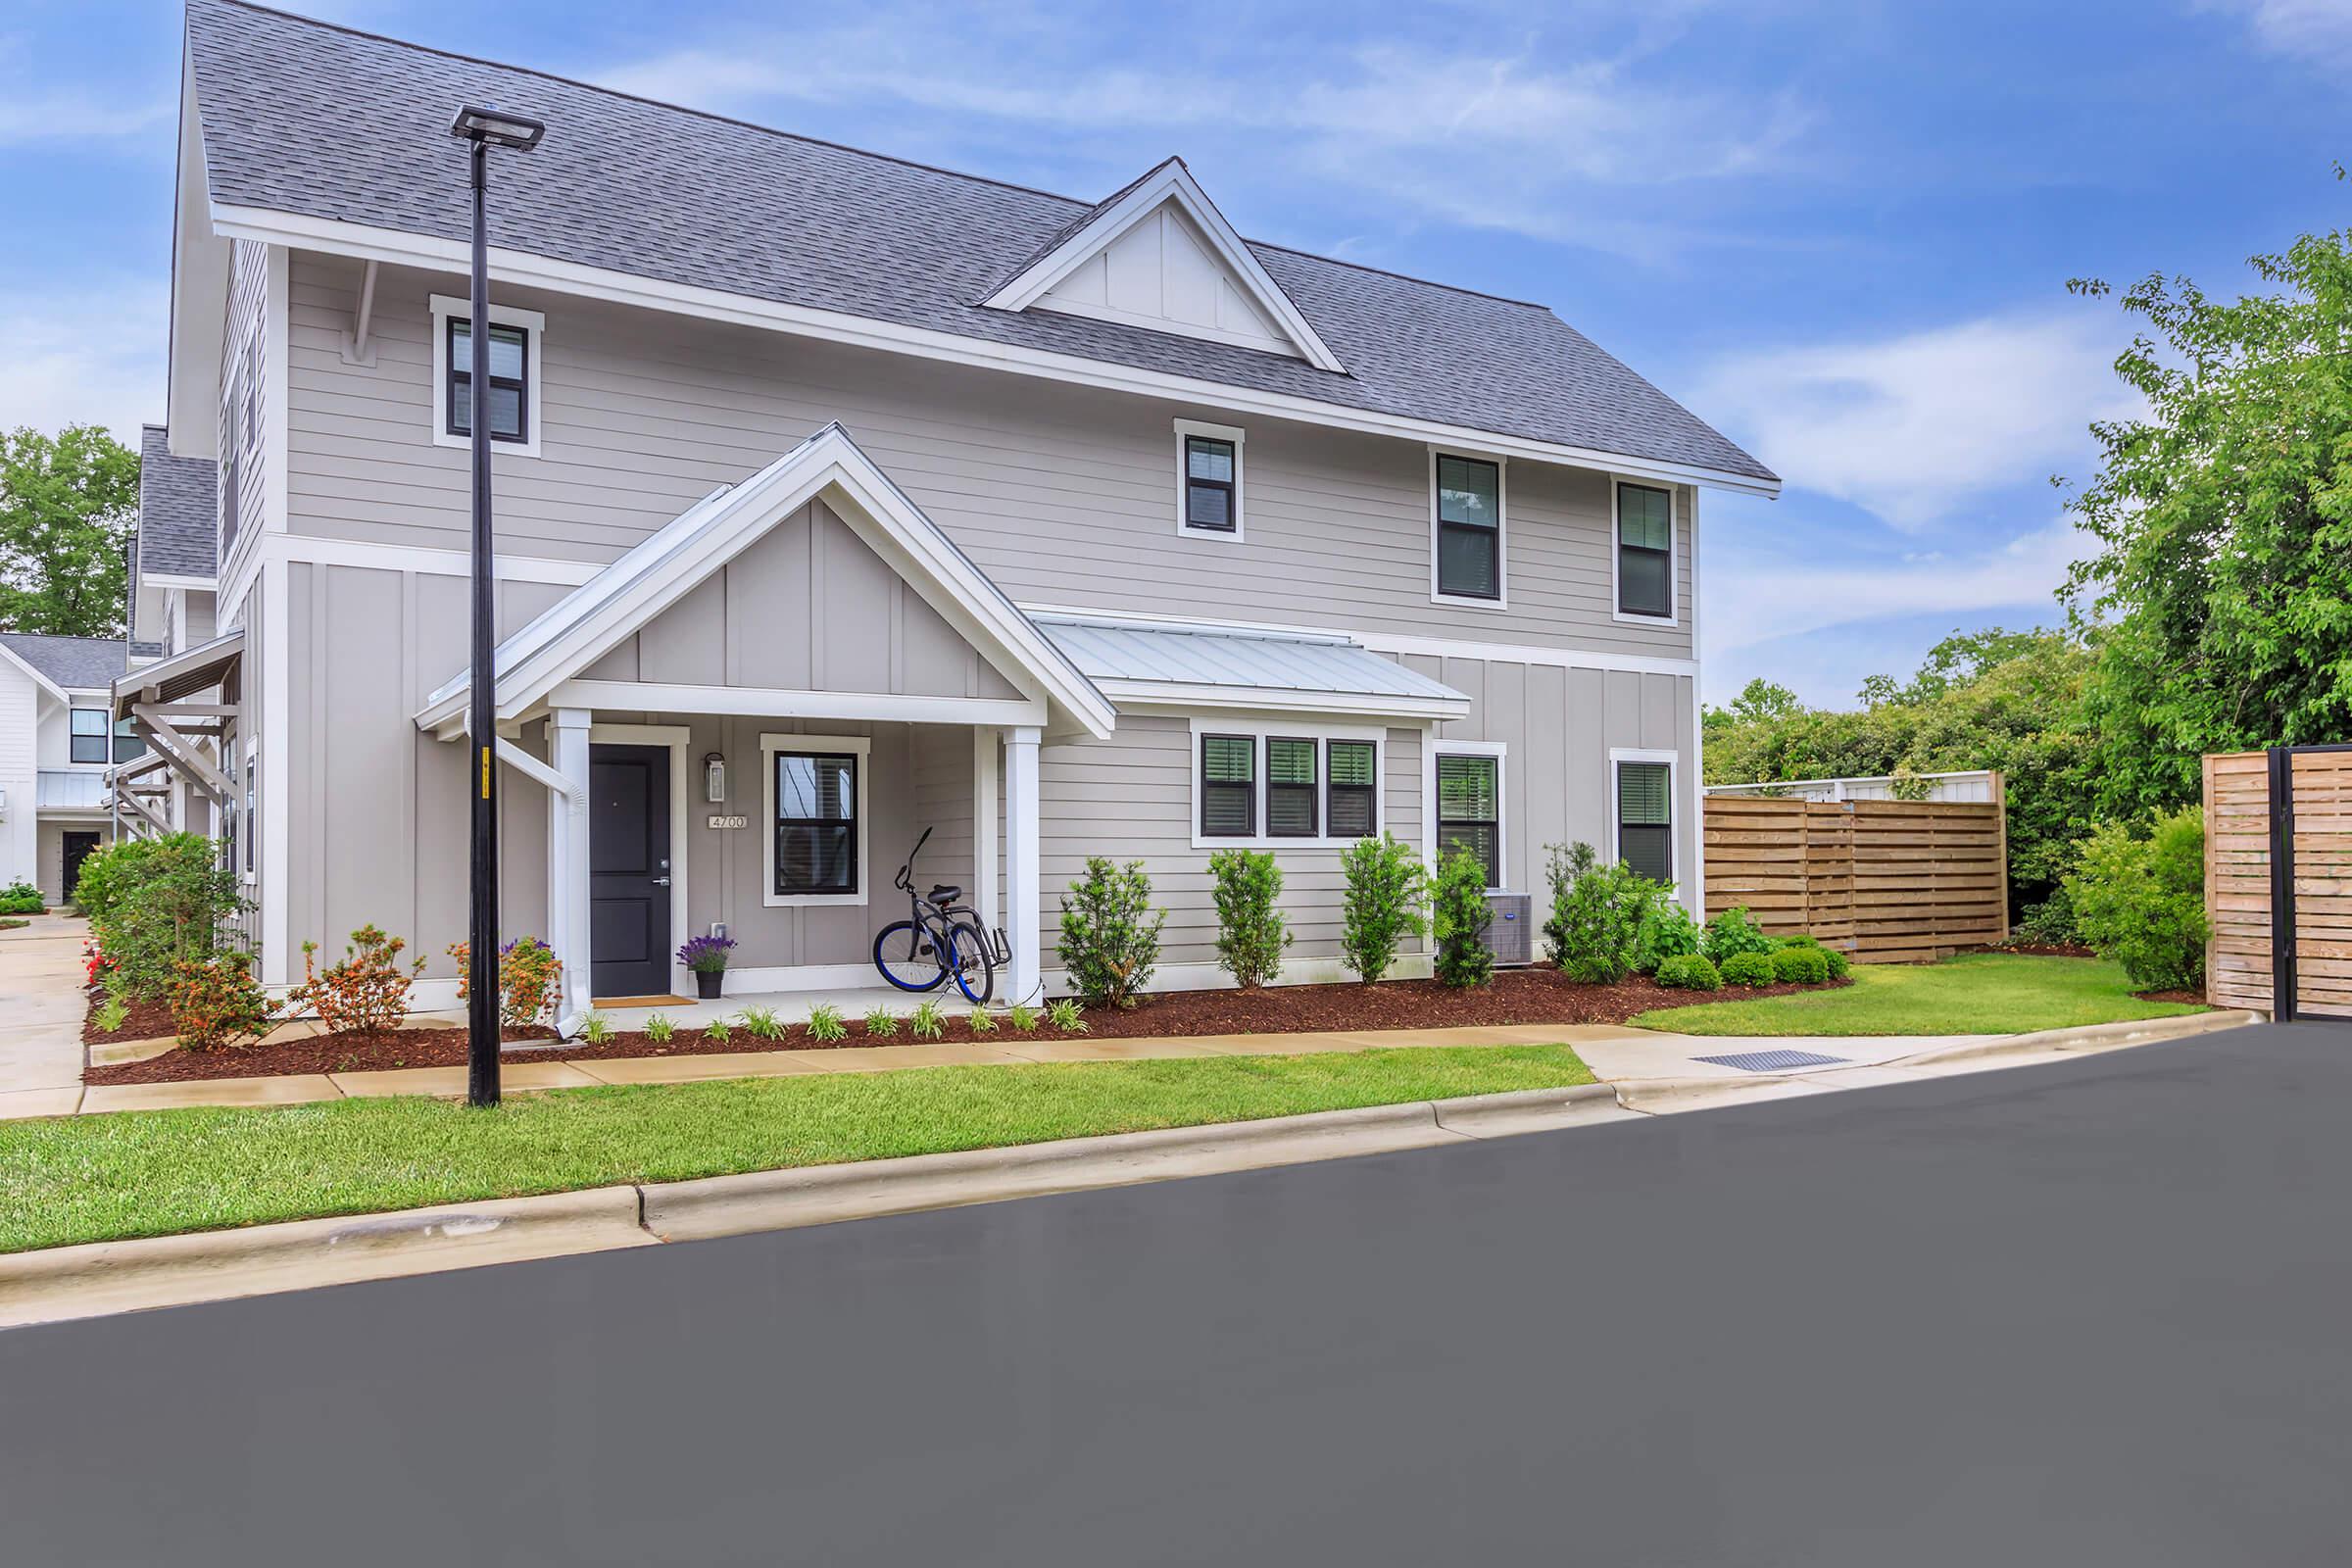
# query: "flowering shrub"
{"type": "Point", "coordinates": [154, 902]}
{"type": "Point", "coordinates": [367, 992]}
{"type": "Point", "coordinates": [529, 977]}
{"type": "Point", "coordinates": [216, 1001]}
{"type": "Point", "coordinates": [705, 955]}
{"type": "Point", "coordinates": [94, 963]}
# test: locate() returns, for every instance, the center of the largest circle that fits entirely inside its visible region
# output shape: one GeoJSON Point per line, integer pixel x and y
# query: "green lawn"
{"type": "Point", "coordinates": [1975, 994]}
{"type": "Point", "coordinates": [150, 1174]}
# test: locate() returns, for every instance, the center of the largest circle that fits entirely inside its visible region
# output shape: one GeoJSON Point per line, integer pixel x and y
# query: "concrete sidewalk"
{"type": "Point", "coordinates": [42, 1009]}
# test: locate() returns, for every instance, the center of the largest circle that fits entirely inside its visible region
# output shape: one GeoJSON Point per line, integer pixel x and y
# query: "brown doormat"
{"type": "Point", "coordinates": [640, 1002]}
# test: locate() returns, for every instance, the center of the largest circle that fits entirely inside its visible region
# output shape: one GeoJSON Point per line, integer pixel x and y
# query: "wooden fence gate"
{"type": "Point", "coordinates": [2278, 880]}
{"type": "Point", "coordinates": [1888, 881]}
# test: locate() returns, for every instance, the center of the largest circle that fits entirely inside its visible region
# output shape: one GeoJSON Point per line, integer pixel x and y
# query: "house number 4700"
{"type": "Point", "coordinates": [730, 821]}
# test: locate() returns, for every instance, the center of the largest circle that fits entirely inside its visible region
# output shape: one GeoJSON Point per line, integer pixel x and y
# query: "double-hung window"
{"type": "Point", "coordinates": [1468, 514]}
{"type": "Point", "coordinates": [1644, 806]}
{"type": "Point", "coordinates": [1228, 785]}
{"type": "Point", "coordinates": [1208, 480]}
{"type": "Point", "coordinates": [817, 801]}
{"type": "Point", "coordinates": [128, 743]}
{"type": "Point", "coordinates": [1469, 807]}
{"type": "Point", "coordinates": [1644, 552]}
{"type": "Point", "coordinates": [497, 374]}
{"type": "Point", "coordinates": [90, 733]}
{"type": "Point", "coordinates": [1352, 800]}
{"type": "Point", "coordinates": [1292, 810]}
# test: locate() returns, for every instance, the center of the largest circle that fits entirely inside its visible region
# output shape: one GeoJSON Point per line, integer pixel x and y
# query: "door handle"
{"type": "Point", "coordinates": [660, 881]}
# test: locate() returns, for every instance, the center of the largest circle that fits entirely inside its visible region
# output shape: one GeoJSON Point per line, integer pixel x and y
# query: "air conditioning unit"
{"type": "Point", "coordinates": [1511, 934]}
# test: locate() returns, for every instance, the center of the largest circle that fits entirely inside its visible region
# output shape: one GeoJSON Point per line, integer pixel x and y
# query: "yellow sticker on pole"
{"type": "Point", "coordinates": [485, 772]}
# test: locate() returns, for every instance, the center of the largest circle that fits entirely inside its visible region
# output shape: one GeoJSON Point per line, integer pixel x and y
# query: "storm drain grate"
{"type": "Point", "coordinates": [1772, 1061]}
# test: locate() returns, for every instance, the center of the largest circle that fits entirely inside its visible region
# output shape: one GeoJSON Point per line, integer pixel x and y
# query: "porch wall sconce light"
{"type": "Point", "coordinates": [715, 779]}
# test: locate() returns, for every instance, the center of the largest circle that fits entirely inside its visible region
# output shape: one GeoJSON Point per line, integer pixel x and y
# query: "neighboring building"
{"type": "Point", "coordinates": [172, 609]}
{"type": "Point", "coordinates": [905, 498]}
{"type": "Point", "coordinates": [57, 743]}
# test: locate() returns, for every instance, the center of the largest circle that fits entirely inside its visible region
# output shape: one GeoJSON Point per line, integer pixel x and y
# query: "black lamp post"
{"type": "Point", "coordinates": [485, 129]}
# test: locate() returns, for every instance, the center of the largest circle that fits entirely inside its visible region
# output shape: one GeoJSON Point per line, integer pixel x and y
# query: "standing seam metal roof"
{"type": "Point", "coordinates": [694, 199]}
{"type": "Point", "coordinates": [1215, 657]}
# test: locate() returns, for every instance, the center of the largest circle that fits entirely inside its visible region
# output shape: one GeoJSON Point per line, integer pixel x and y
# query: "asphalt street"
{"type": "Point", "coordinates": [2089, 1313]}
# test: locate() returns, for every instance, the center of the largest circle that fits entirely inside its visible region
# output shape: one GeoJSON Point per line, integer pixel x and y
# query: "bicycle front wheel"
{"type": "Point", "coordinates": [976, 967]}
{"type": "Point", "coordinates": [907, 956]}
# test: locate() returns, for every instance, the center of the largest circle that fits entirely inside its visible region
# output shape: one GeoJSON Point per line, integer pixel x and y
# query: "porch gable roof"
{"type": "Point", "coordinates": [572, 634]}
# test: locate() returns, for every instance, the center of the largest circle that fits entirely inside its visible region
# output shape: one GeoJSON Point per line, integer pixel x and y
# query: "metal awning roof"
{"type": "Point", "coordinates": [1138, 661]}
{"type": "Point", "coordinates": [199, 668]}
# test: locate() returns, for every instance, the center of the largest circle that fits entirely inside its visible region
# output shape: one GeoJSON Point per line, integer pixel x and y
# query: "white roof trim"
{"type": "Point", "coordinates": [1170, 183]}
{"type": "Point", "coordinates": [335, 237]}
{"type": "Point", "coordinates": [39, 679]}
{"type": "Point", "coordinates": [654, 574]}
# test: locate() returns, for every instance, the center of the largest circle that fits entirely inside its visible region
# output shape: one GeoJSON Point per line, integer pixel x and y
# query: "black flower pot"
{"type": "Point", "coordinates": [707, 983]}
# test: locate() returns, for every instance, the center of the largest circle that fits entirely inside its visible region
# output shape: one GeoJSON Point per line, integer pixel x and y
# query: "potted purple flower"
{"type": "Point", "coordinates": [707, 957]}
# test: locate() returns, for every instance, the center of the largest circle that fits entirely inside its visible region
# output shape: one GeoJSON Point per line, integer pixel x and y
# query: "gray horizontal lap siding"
{"type": "Point", "coordinates": [1061, 495]}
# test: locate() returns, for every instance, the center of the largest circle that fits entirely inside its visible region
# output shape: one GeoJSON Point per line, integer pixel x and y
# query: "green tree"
{"type": "Point", "coordinates": [2222, 580]}
{"type": "Point", "coordinates": [67, 506]}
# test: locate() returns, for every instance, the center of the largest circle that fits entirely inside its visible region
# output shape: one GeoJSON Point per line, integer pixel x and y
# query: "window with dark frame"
{"type": "Point", "coordinates": [508, 397]}
{"type": "Point", "coordinates": [1291, 809]}
{"type": "Point", "coordinates": [1469, 529]}
{"type": "Point", "coordinates": [1228, 785]}
{"type": "Point", "coordinates": [1353, 808]}
{"type": "Point", "coordinates": [1645, 819]}
{"type": "Point", "coordinates": [1644, 551]}
{"type": "Point", "coordinates": [129, 742]}
{"type": "Point", "coordinates": [1470, 809]}
{"type": "Point", "coordinates": [816, 822]}
{"type": "Point", "coordinates": [90, 734]}
{"type": "Point", "coordinates": [1208, 484]}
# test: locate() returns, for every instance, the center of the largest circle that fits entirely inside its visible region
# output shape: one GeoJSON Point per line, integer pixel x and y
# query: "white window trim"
{"type": "Point", "coordinates": [1674, 553]}
{"type": "Point", "coordinates": [1213, 432]}
{"type": "Point", "coordinates": [1612, 807]}
{"type": "Point", "coordinates": [534, 325]}
{"type": "Point", "coordinates": [102, 704]}
{"type": "Point", "coordinates": [1500, 751]}
{"type": "Point", "coordinates": [860, 747]}
{"type": "Point", "coordinates": [1258, 727]}
{"type": "Point", "coordinates": [1502, 528]}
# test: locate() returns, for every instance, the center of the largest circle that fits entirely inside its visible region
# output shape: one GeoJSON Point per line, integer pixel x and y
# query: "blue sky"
{"type": "Point", "coordinates": [1838, 230]}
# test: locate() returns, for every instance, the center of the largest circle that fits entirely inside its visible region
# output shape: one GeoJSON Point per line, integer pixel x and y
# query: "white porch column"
{"type": "Point", "coordinates": [1022, 922]}
{"type": "Point", "coordinates": [986, 810]}
{"type": "Point", "coordinates": [567, 860]}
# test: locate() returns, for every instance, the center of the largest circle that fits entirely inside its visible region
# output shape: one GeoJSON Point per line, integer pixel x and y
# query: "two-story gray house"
{"type": "Point", "coordinates": [840, 497]}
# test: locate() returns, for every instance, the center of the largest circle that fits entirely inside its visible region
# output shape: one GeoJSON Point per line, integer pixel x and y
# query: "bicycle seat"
{"type": "Point", "coordinates": [943, 894]}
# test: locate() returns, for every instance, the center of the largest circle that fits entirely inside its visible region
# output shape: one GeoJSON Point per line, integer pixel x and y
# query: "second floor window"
{"type": "Point", "coordinates": [1469, 526]}
{"type": "Point", "coordinates": [1644, 551]}
{"type": "Point", "coordinates": [1209, 469]}
{"type": "Point", "coordinates": [508, 398]}
{"type": "Point", "coordinates": [91, 735]}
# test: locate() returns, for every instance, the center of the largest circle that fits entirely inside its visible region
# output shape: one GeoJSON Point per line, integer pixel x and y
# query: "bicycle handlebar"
{"type": "Point", "coordinates": [905, 882]}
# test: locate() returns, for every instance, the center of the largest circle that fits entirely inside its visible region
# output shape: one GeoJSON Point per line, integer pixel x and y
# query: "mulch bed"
{"type": "Point", "coordinates": [2197, 997]}
{"type": "Point", "coordinates": [146, 1020]}
{"type": "Point", "coordinates": [2041, 950]}
{"type": "Point", "coordinates": [1517, 996]}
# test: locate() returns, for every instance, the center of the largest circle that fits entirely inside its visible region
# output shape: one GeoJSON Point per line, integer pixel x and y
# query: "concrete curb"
{"type": "Point", "coordinates": [2086, 1037]}
{"type": "Point", "coordinates": [103, 1277]}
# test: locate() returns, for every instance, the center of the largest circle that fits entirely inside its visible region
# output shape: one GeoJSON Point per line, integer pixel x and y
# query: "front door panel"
{"type": "Point", "coordinates": [629, 870]}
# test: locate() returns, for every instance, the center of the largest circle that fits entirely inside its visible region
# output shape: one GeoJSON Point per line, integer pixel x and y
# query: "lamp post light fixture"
{"type": "Point", "coordinates": [484, 128]}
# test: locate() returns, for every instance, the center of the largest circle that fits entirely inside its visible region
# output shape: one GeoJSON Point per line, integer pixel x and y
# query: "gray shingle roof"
{"type": "Point", "coordinates": [671, 195]}
{"type": "Point", "coordinates": [177, 518]}
{"type": "Point", "coordinates": [77, 663]}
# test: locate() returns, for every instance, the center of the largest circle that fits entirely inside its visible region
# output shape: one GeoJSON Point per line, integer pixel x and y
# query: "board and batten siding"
{"type": "Point", "coordinates": [1559, 725]}
{"type": "Point", "coordinates": [1061, 494]}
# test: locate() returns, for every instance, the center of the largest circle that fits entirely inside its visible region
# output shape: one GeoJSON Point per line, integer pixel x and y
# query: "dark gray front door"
{"type": "Point", "coordinates": [628, 870]}
{"type": "Point", "coordinates": [78, 846]}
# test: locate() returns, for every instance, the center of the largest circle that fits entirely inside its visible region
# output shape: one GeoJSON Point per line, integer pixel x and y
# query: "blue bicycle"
{"type": "Point", "coordinates": [938, 938]}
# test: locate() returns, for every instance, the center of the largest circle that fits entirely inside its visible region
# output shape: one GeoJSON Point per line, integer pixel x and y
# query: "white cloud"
{"type": "Point", "coordinates": [2314, 30]}
{"type": "Point", "coordinates": [1911, 426]}
{"type": "Point", "coordinates": [94, 357]}
{"type": "Point", "coordinates": [1746, 606]}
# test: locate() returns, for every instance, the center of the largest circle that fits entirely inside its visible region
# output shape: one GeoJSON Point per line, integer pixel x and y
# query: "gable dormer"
{"type": "Point", "coordinates": [1160, 255]}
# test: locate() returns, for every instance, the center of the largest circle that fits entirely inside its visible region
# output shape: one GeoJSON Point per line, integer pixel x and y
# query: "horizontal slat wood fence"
{"type": "Point", "coordinates": [2238, 881]}
{"type": "Point", "coordinates": [1888, 881]}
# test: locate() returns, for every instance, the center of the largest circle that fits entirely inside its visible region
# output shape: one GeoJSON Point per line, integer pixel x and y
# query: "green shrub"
{"type": "Point", "coordinates": [761, 1023]}
{"type": "Point", "coordinates": [596, 1028]}
{"type": "Point", "coordinates": [1730, 934]}
{"type": "Point", "coordinates": [881, 1024]}
{"type": "Point", "coordinates": [1688, 971]}
{"type": "Point", "coordinates": [825, 1025]}
{"type": "Point", "coordinates": [2049, 923]}
{"type": "Point", "coordinates": [1838, 962]}
{"type": "Point", "coordinates": [1801, 967]}
{"type": "Point", "coordinates": [1110, 933]}
{"type": "Point", "coordinates": [659, 1029]}
{"type": "Point", "coordinates": [1250, 931]}
{"type": "Point", "coordinates": [927, 1021]}
{"type": "Point", "coordinates": [2140, 902]}
{"type": "Point", "coordinates": [982, 1021]}
{"type": "Point", "coordinates": [216, 1002]}
{"type": "Point", "coordinates": [367, 992]}
{"type": "Point", "coordinates": [1382, 906]}
{"type": "Point", "coordinates": [1459, 915]}
{"type": "Point", "coordinates": [719, 1033]}
{"type": "Point", "coordinates": [1022, 1018]}
{"type": "Point", "coordinates": [1598, 914]}
{"type": "Point", "coordinates": [154, 902]}
{"type": "Point", "coordinates": [1066, 1017]}
{"type": "Point", "coordinates": [20, 897]}
{"type": "Point", "coordinates": [112, 1014]}
{"type": "Point", "coordinates": [1668, 931]}
{"type": "Point", "coordinates": [1746, 969]}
